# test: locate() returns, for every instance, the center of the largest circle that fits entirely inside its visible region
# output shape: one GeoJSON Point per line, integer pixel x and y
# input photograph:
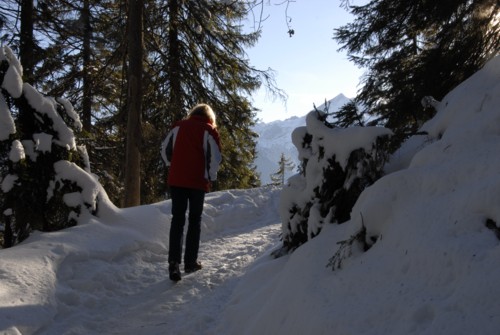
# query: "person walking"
{"type": "Point", "coordinates": [192, 150]}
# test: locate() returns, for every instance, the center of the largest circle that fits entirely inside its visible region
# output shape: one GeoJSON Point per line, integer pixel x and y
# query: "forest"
{"type": "Point", "coordinates": [130, 68]}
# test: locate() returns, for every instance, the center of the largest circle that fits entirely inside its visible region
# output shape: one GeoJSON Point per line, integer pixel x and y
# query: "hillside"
{"type": "Point", "coordinates": [433, 225]}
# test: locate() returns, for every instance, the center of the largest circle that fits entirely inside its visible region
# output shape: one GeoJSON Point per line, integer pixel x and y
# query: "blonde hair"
{"type": "Point", "coordinates": [203, 110]}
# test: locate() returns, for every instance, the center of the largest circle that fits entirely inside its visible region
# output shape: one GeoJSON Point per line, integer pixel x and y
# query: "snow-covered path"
{"type": "Point", "coordinates": [193, 305]}
{"type": "Point", "coordinates": [127, 291]}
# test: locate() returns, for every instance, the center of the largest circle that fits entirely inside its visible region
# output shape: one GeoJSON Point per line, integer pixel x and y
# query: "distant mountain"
{"type": "Point", "coordinates": [275, 138]}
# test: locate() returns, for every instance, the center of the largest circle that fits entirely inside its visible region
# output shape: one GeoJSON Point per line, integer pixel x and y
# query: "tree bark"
{"type": "Point", "coordinates": [134, 105]}
{"type": "Point", "coordinates": [174, 62]}
{"type": "Point", "coordinates": [86, 77]}
{"type": "Point", "coordinates": [26, 42]}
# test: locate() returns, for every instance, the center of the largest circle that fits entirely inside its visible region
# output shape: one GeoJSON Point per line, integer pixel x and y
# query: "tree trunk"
{"type": "Point", "coordinates": [174, 62]}
{"type": "Point", "coordinates": [87, 91]}
{"type": "Point", "coordinates": [134, 105]}
{"type": "Point", "coordinates": [26, 42]}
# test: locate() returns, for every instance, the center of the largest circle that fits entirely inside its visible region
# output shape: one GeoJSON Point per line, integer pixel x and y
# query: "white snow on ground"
{"type": "Point", "coordinates": [110, 276]}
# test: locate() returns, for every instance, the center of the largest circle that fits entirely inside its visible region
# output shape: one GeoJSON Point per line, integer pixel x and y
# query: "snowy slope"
{"type": "Point", "coordinates": [434, 268]}
{"type": "Point", "coordinates": [275, 139]}
{"type": "Point", "coordinates": [110, 276]}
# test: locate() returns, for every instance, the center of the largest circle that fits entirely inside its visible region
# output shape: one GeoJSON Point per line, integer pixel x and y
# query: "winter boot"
{"type": "Point", "coordinates": [192, 267]}
{"type": "Point", "coordinates": [174, 272]}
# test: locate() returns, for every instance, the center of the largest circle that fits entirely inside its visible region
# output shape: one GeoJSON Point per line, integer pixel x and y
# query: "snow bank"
{"type": "Point", "coordinates": [84, 279]}
{"type": "Point", "coordinates": [434, 267]}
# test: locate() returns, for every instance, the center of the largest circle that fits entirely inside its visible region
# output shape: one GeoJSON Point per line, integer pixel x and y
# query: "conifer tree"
{"type": "Point", "coordinates": [285, 164]}
{"type": "Point", "coordinates": [413, 49]}
{"type": "Point", "coordinates": [83, 60]}
{"type": "Point", "coordinates": [328, 185]}
{"type": "Point", "coordinates": [40, 164]}
{"type": "Point", "coordinates": [194, 51]}
{"type": "Point", "coordinates": [200, 57]}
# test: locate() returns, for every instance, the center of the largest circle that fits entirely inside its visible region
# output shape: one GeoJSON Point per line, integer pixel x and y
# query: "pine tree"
{"type": "Point", "coordinates": [193, 52]}
{"type": "Point", "coordinates": [83, 60]}
{"type": "Point", "coordinates": [200, 57]}
{"type": "Point", "coordinates": [413, 49]}
{"type": "Point", "coordinates": [328, 187]}
{"type": "Point", "coordinates": [349, 115]}
{"type": "Point", "coordinates": [37, 151]}
{"type": "Point", "coordinates": [285, 164]}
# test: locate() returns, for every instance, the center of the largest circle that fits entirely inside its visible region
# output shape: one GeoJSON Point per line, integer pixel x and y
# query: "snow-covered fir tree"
{"type": "Point", "coordinates": [40, 162]}
{"type": "Point", "coordinates": [337, 165]}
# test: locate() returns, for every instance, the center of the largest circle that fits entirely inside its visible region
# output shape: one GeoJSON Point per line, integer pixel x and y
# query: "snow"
{"type": "Point", "coordinates": [8, 182]}
{"type": "Point", "coordinates": [29, 149]}
{"type": "Point", "coordinates": [72, 114]}
{"type": "Point", "coordinates": [47, 106]}
{"type": "Point", "coordinates": [43, 142]}
{"type": "Point", "coordinates": [432, 269]}
{"type": "Point", "coordinates": [16, 152]}
{"type": "Point", "coordinates": [319, 144]}
{"type": "Point", "coordinates": [12, 82]}
{"type": "Point", "coordinates": [92, 191]}
{"type": "Point", "coordinates": [7, 126]}
{"type": "Point", "coordinates": [109, 275]}
{"type": "Point", "coordinates": [341, 141]}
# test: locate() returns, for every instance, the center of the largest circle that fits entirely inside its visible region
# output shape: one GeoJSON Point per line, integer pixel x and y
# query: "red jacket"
{"type": "Point", "coordinates": [192, 150]}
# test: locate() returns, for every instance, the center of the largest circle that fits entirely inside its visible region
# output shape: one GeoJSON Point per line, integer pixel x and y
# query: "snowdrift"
{"type": "Point", "coordinates": [108, 275]}
{"type": "Point", "coordinates": [434, 266]}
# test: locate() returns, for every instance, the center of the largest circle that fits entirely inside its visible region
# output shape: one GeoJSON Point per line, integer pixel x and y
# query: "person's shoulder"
{"type": "Point", "coordinates": [212, 129]}
{"type": "Point", "coordinates": [185, 124]}
{"type": "Point", "coordinates": [196, 122]}
{"type": "Point", "coordinates": [204, 122]}
{"type": "Point", "coordinates": [177, 124]}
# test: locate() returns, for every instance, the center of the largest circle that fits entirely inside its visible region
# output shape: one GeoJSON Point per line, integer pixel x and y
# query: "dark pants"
{"type": "Point", "coordinates": [181, 197]}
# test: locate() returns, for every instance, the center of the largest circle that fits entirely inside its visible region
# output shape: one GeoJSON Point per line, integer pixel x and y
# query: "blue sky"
{"type": "Point", "coordinates": [308, 66]}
